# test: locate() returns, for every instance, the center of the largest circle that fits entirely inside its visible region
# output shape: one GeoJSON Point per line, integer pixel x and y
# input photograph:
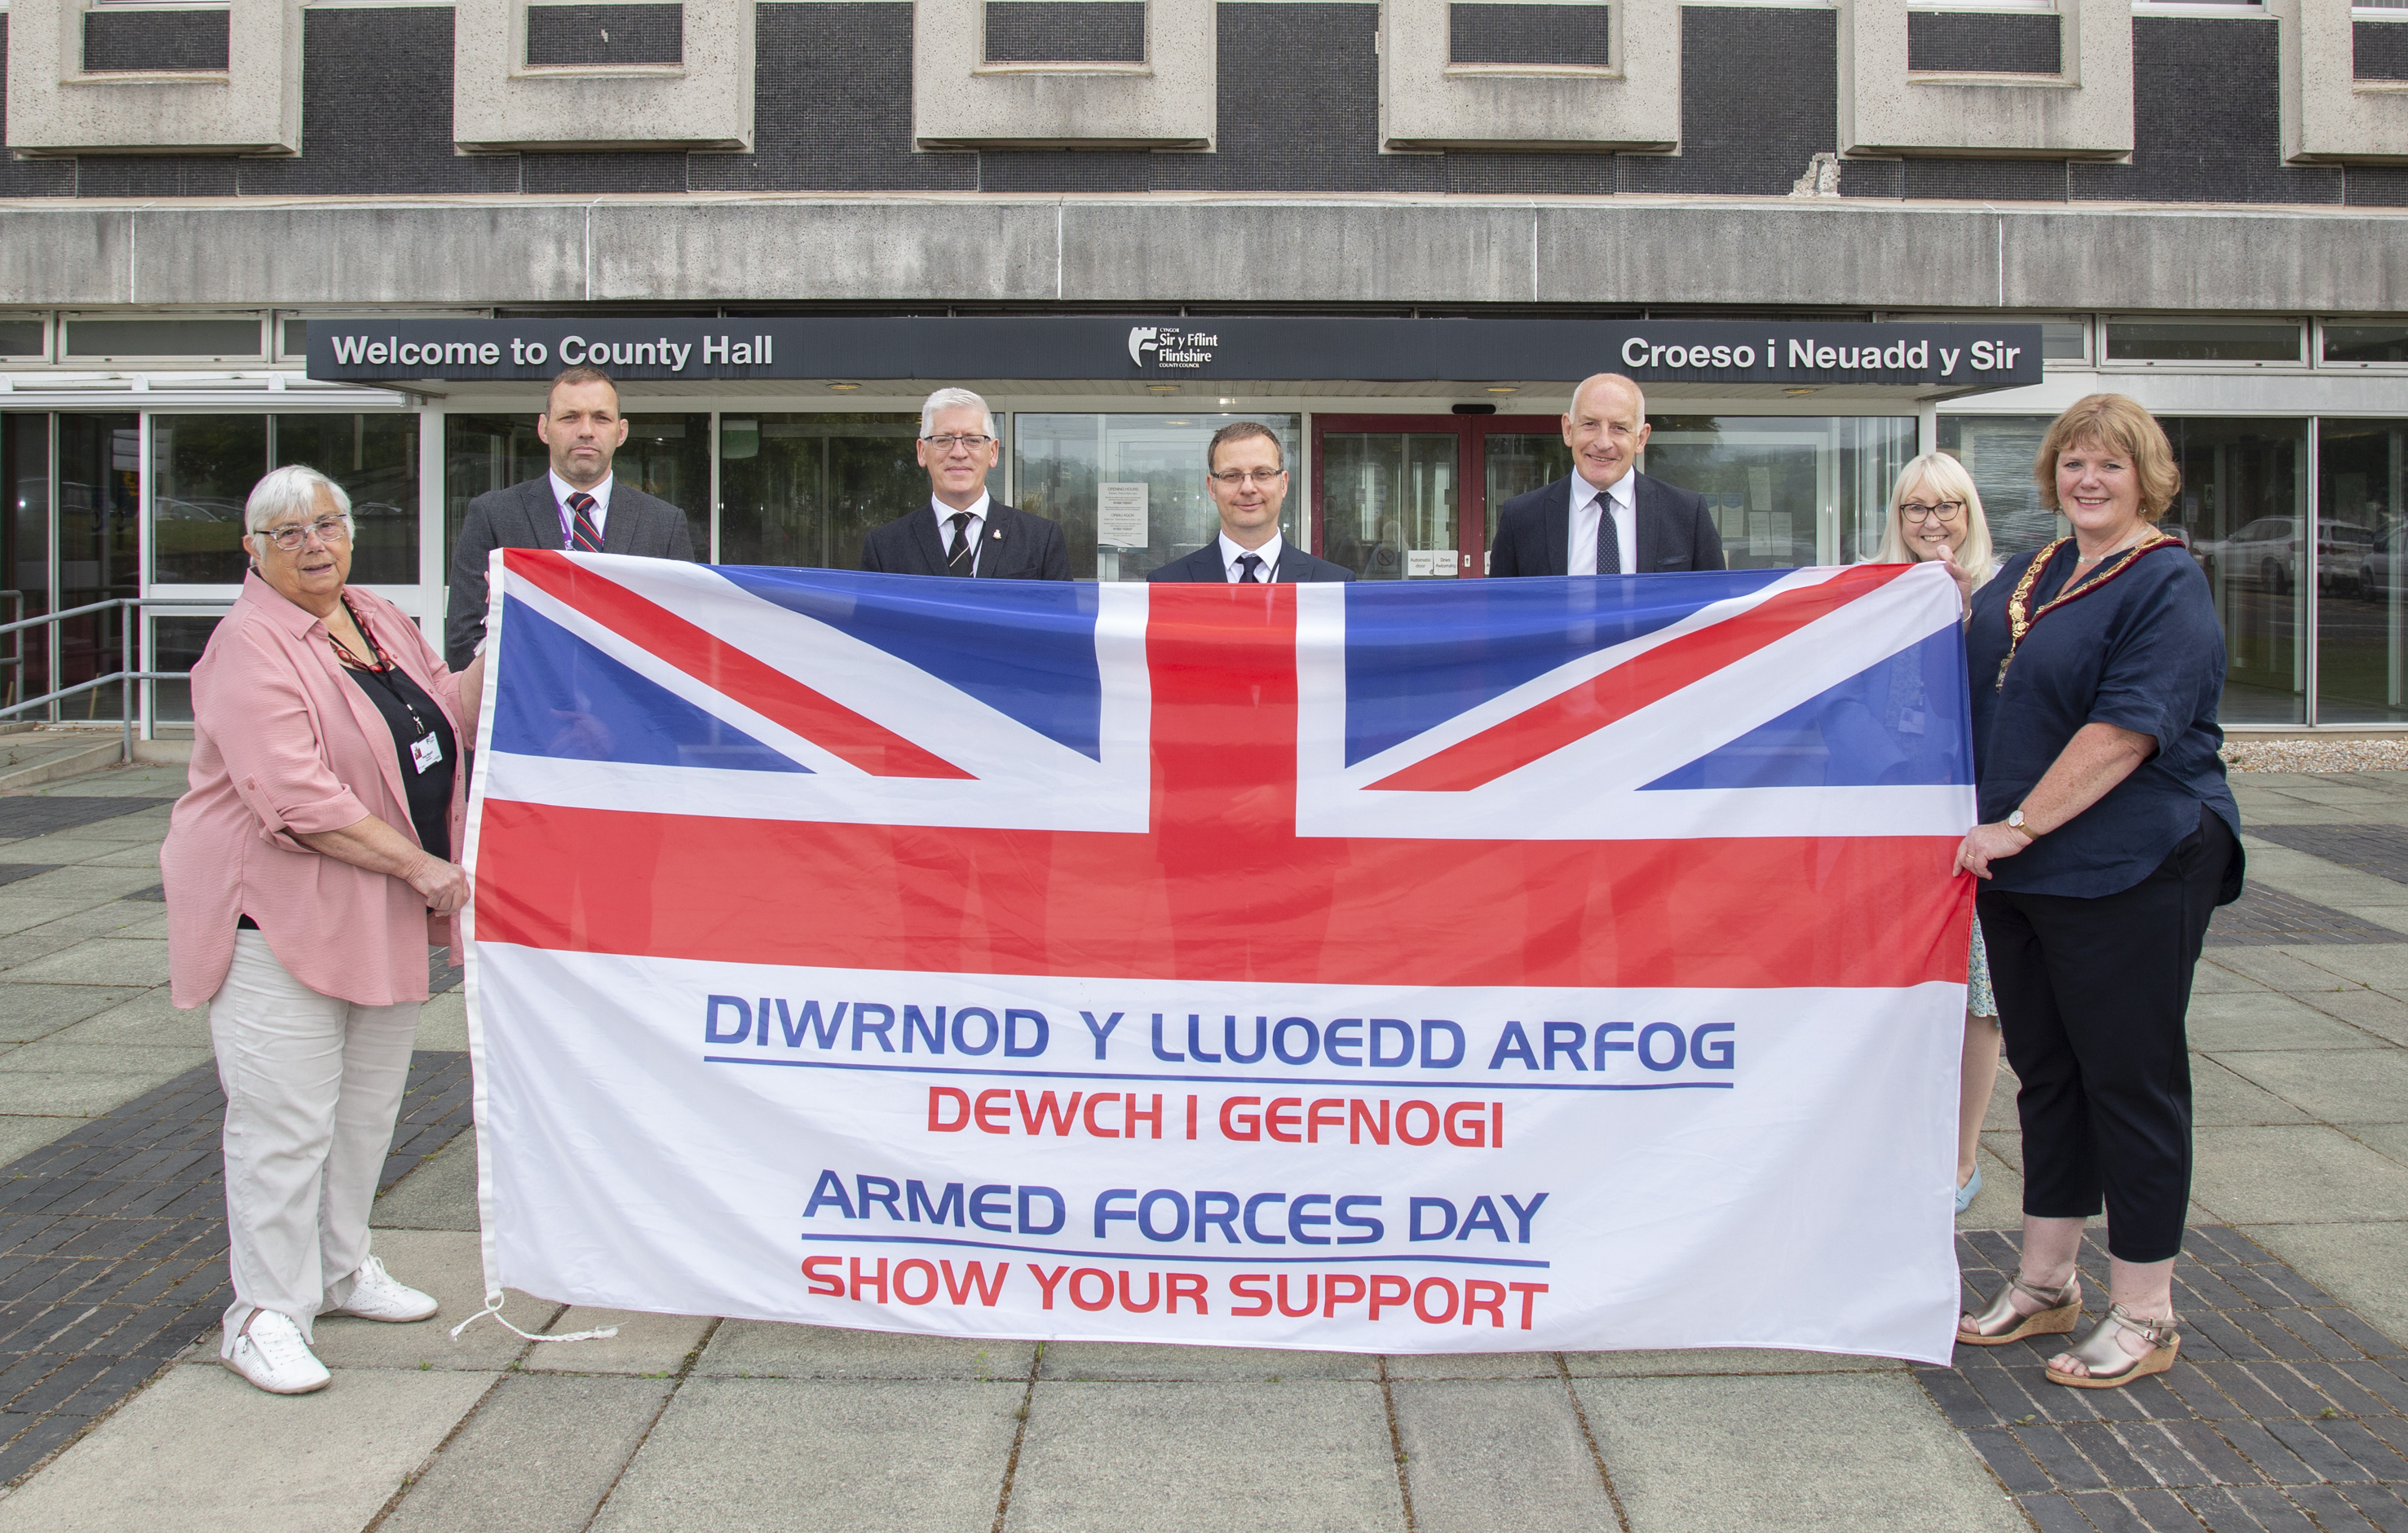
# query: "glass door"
{"type": "Point", "coordinates": [1414, 497]}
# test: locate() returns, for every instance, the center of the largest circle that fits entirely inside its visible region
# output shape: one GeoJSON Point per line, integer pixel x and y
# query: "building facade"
{"type": "Point", "coordinates": [1395, 230]}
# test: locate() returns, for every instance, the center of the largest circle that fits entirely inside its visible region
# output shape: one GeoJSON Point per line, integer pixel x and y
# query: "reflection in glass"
{"type": "Point", "coordinates": [2202, 340]}
{"type": "Point", "coordinates": [802, 489]}
{"type": "Point", "coordinates": [99, 521]}
{"type": "Point", "coordinates": [1389, 503]}
{"type": "Point", "coordinates": [1785, 491]}
{"type": "Point", "coordinates": [2361, 545]}
{"type": "Point", "coordinates": [204, 468]}
{"type": "Point", "coordinates": [667, 456]}
{"type": "Point", "coordinates": [2243, 509]}
{"type": "Point", "coordinates": [2366, 342]}
{"type": "Point", "coordinates": [1061, 462]}
{"type": "Point", "coordinates": [1516, 463]}
{"type": "Point", "coordinates": [176, 645]}
{"type": "Point", "coordinates": [25, 555]}
{"type": "Point", "coordinates": [1997, 451]}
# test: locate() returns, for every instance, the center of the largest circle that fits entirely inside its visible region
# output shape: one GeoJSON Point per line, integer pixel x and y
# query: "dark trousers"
{"type": "Point", "coordinates": [2091, 995]}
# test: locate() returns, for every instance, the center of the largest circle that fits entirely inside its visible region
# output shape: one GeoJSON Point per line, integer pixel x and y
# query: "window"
{"type": "Point", "coordinates": [2363, 343]}
{"type": "Point", "coordinates": [2247, 342]}
{"type": "Point", "coordinates": [203, 466]}
{"type": "Point", "coordinates": [2243, 510]}
{"type": "Point", "coordinates": [666, 456]}
{"type": "Point", "coordinates": [23, 336]}
{"type": "Point", "coordinates": [2362, 571]}
{"type": "Point", "coordinates": [1153, 467]}
{"type": "Point", "coordinates": [802, 489]}
{"type": "Point", "coordinates": [219, 338]}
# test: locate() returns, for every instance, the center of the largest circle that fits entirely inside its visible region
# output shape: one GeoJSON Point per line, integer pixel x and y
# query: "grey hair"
{"type": "Point", "coordinates": [293, 487]}
{"type": "Point", "coordinates": [951, 399]}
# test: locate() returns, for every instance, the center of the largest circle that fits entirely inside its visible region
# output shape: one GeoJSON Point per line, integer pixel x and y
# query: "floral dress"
{"type": "Point", "coordinates": [1978, 998]}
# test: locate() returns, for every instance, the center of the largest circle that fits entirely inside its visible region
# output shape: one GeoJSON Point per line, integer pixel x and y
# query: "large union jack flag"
{"type": "Point", "coordinates": [1718, 779]}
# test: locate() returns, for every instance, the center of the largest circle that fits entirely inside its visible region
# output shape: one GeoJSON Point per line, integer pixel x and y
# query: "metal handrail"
{"type": "Point", "coordinates": [125, 672]}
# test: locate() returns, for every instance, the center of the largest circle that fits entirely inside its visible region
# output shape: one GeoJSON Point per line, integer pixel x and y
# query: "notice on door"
{"type": "Point", "coordinates": [1424, 564]}
{"type": "Point", "coordinates": [1120, 514]}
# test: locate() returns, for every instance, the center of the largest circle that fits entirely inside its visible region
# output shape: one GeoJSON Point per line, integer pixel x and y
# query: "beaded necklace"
{"type": "Point", "coordinates": [2020, 617]}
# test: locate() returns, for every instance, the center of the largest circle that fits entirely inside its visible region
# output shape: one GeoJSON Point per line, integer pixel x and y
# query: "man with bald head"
{"type": "Point", "coordinates": [1606, 517]}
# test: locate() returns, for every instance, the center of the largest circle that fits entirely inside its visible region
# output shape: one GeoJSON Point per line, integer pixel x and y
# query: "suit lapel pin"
{"type": "Point", "coordinates": [996, 535]}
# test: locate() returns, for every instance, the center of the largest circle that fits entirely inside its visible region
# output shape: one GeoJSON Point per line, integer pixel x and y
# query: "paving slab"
{"type": "Point", "coordinates": [19, 914]}
{"type": "Point", "coordinates": [82, 885]}
{"type": "Point", "coordinates": [148, 1017]}
{"type": "Point", "coordinates": [1209, 1457]}
{"type": "Point", "coordinates": [763, 1348]}
{"type": "Point", "coordinates": [1837, 1452]}
{"type": "Point", "coordinates": [2222, 1024]}
{"type": "Point", "coordinates": [815, 1457]}
{"type": "Point", "coordinates": [2001, 1201]}
{"type": "Point", "coordinates": [2339, 1086]}
{"type": "Point", "coordinates": [1472, 1365]}
{"type": "Point", "coordinates": [2213, 978]}
{"type": "Point", "coordinates": [2377, 1011]}
{"type": "Point", "coordinates": [1098, 1360]}
{"type": "Point", "coordinates": [1693, 1362]}
{"type": "Point", "coordinates": [2276, 968]}
{"type": "Point", "coordinates": [103, 960]}
{"type": "Point", "coordinates": [2377, 964]}
{"type": "Point", "coordinates": [2220, 1098]}
{"type": "Point", "coordinates": [28, 1011]}
{"type": "Point", "coordinates": [537, 1457]}
{"type": "Point", "coordinates": [440, 1195]}
{"type": "Point", "coordinates": [61, 1054]}
{"type": "Point", "coordinates": [2382, 1138]}
{"type": "Point", "coordinates": [649, 1346]}
{"type": "Point", "coordinates": [2360, 1265]}
{"type": "Point", "coordinates": [443, 1021]}
{"type": "Point", "coordinates": [448, 1264]}
{"type": "Point", "coordinates": [201, 1450]}
{"type": "Point", "coordinates": [72, 1095]}
{"type": "Point", "coordinates": [21, 1133]}
{"type": "Point", "coordinates": [1506, 1455]}
{"type": "Point", "coordinates": [2303, 1174]}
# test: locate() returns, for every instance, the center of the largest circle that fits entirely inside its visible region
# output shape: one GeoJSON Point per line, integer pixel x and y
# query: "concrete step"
{"type": "Point", "coordinates": [28, 761]}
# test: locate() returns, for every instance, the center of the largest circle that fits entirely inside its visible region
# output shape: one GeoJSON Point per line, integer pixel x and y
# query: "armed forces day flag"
{"type": "Point", "coordinates": [1462, 965]}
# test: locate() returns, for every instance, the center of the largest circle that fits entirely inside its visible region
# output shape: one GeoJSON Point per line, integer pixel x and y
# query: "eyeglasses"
{"type": "Point", "coordinates": [1947, 510]}
{"type": "Point", "coordinates": [329, 530]}
{"type": "Point", "coordinates": [946, 444]}
{"type": "Point", "coordinates": [1235, 478]}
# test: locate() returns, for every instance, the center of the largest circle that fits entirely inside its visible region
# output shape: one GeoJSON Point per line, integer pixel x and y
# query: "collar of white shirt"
{"type": "Point", "coordinates": [1621, 491]}
{"type": "Point", "coordinates": [562, 490]}
{"type": "Point", "coordinates": [945, 515]}
{"type": "Point", "coordinates": [1269, 554]}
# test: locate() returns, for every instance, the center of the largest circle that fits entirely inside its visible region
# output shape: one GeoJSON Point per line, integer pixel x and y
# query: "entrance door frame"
{"type": "Point", "coordinates": [1471, 432]}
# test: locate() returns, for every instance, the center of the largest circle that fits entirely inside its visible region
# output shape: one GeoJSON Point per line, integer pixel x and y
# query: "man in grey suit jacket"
{"type": "Point", "coordinates": [576, 506]}
{"type": "Point", "coordinates": [1605, 516]}
{"type": "Point", "coordinates": [960, 530]}
{"type": "Point", "coordinates": [1245, 472]}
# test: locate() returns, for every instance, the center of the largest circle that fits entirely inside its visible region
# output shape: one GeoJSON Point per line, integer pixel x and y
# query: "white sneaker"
{"type": "Point", "coordinates": [376, 1294]}
{"type": "Point", "coordinates": [271, 1353]}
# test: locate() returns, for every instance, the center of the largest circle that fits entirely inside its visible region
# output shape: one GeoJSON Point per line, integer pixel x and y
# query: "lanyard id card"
{"type": "Point", "coordinates": [426, 752]}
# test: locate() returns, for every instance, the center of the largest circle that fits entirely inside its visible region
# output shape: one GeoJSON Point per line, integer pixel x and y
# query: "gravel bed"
{"type": "Point", "coordinates": [2324, 755]}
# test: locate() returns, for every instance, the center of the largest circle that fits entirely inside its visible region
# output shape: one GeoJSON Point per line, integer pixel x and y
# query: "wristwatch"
{"type": "Point", "coordinates": [2014, 821]}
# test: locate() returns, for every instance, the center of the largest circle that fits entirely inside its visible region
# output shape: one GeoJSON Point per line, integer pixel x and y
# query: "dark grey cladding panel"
{"type": "Point", "coordinates": [376, 110]}
{"type": "Point", "coordinates": [1985, 42]}
{"type": "Point", "coordinates": [1065, 31]}
{"type": "Point", "coordinates": [1488, 34]}
{"type": "Point", "coordinates": [832, 108]}
{"type": "Point", "coordinates": [2376, 186]}
{"type": "Point", "coordinates": [573, 35]}
{"type": "Point", "coordinates": [157, 176]}
{"type": "Point", "coordinates": [652, 172]}
{"type": "Point", "coordinates": [1759, 99]}
{"type": "Point", "coordinates": [189, 40]}
{"type": "Point", "coordinates": [1872, 179]}
{"type": "Point", "coordinates": [1066, 170]}
{"type": "Point", "coordinates": [27, 178]}
{"type": "Point", "coordinates": [1299, 108]}
{"type": "Point", "coordinates": [2207, 119]}
{"type": "Point", "coordinates": [1532, 175]}
{"type": "Point", "coordinates": [2382, 50]}
{"type": "Point", "coordinates": [1987, 180]}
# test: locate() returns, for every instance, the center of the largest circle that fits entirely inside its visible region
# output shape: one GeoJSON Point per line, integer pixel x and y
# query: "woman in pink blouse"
{"type": "Point", "coordinates": [306, 871]}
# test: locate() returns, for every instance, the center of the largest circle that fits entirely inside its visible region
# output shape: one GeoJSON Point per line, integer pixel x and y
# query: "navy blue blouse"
{"type": "Point", "coordinates": [2143, 652]}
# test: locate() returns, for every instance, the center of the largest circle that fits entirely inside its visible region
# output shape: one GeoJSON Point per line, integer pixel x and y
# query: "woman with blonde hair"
{"type": "Point", "coordinates": [2108, 839]}
{"type": "Point", "coordinates": [1935, 513]}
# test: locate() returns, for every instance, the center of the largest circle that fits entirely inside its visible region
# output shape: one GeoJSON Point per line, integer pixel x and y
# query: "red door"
{"type": "Point", "coordinates": [1415, 496]}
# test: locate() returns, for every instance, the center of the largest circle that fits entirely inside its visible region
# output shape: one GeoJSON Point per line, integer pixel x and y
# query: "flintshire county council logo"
{"type": "Point", "coordinates": [1168, 346]}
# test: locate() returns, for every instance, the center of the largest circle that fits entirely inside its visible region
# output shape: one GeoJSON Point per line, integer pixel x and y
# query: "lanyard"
{"type": "Point", "coordinates": [2020, 617]}
{"type": "Point", "coordinates": [381, 670]}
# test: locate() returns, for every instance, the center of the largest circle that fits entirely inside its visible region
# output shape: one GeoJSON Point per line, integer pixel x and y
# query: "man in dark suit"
{"type": "Point", "coordinates": [1606, 517]}
{"type": "Point", "coordinates": [575, 506]}
{"type": "Point", "coordinates": [961, 531]}
{"type": "Point", "coordinates": [1245, 472]}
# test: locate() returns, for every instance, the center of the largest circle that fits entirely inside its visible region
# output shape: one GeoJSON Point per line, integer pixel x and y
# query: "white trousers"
{"type": "Point", "coordinates": [312, 1087]}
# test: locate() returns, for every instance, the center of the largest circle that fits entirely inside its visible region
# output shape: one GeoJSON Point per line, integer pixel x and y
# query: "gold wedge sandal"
{"type": "Point", "coordinates": [1998, 1324]}
{"type": "Point", "coordinates": [2099, 1349]}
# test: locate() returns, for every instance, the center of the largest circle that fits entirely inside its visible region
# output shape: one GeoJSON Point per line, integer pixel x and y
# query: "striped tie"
{"type": "Point", "coordinates": [584, 537]}
{"type": "Point", "coordinates": [962, 559]}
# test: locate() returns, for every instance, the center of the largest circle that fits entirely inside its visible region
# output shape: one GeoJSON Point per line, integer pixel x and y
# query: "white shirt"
{"type": "Point", "coordinates": [976, 530]}
{"type": "Point", "coordinates": [562, 490]}
{"type": "Point", "coordinates": [1269, 554]}
{"type": "Point", "coordinates": [1581, 554]}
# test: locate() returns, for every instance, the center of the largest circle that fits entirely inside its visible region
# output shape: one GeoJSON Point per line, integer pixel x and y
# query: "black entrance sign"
{"type": "Point", "coordinates": [1949, 357]}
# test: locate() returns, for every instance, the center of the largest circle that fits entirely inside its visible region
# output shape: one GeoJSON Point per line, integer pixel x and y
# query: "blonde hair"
{"type": "Point", "coordinates": [1947, 479]}
{"type": "Point", "coordinates": [2122, 428]}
